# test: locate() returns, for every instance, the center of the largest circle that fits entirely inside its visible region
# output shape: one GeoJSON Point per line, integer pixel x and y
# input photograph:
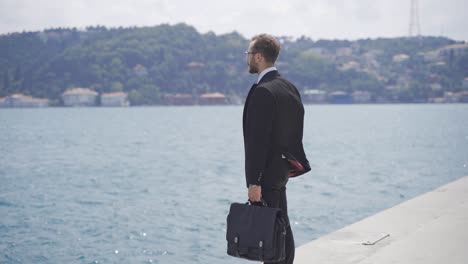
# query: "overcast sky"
{"type": "Point", "coordinates": [318, 19]}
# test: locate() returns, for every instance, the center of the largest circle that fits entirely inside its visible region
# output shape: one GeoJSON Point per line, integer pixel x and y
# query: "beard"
{"type": "Point", "coordinates": [253, 68]}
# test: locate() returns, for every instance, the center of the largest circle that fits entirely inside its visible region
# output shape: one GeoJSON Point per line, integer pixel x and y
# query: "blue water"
{"type": "Point", "coordinates": [153, 185]}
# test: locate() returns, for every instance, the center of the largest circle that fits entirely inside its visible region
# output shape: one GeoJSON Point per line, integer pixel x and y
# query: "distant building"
{"type": "Point", "coordinates": [235, 100]}
{"type": "Point", "coordinates": [465, 83]}
{"type": "Point", "coordinates": [21, 100]}
{"type": "Point", "coordinates": [194, 65]}
{"type": "Point", "coordinates": [451, 97]}
{"type": "Point", "coordinates": [79, 97]}
{"type": "Point", "coordinates": [436, 86]}
{"type": "Point", "coordinates": [178, 99]}
{"type": "Point", "coordinates": [361, 97]}
{"type": "Point", "coordinates": [400, 57]}
{"type": "Point", "coordinates": [314, 97]}
{"type": "Point", "coordinates": [140, 70]}
{"type": "Point", "coordinates": [437, 100]}
{"type": "Point", "coordinates": [431, 56]}
{"type": "Point", "coordinates": [212, 99]}
{"type": "Point", "coordinates": [383, 100]}
{"type": "Point", "coordinates": [320, 52]}
{"type": "Point", "coordinates": [340, 97]}
{"type": "Point", "coordinates": [420, 100]}
{"type": "Point", "coordinates": [114, 99]}
{"type": "Point", "coordinates": [456, 50]}
{"type": "Point", "coordinates": [464, 97]}
{"type": "Point", "coordinates": [403, 81]}
{"type": "Point", "coordinates": [344, 52]}
{"type": "Point", "coordinates": [369, 59]}
{"type": "Point", "coordinates": [350, 65]}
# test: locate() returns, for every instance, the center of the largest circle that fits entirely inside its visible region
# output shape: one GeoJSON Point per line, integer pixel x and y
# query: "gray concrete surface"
{"type": "Point", "coordinates": [429, 229]}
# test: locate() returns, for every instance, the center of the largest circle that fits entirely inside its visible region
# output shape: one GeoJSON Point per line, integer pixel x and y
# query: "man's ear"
{"type": "Point", "coordinates": [258, 56]}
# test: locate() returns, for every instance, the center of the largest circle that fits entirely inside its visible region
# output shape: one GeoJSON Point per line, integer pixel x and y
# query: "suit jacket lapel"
{"type": "Point", "coordinates": [268, 77]}
{"type": "Point", "coordinates": [244, 115]}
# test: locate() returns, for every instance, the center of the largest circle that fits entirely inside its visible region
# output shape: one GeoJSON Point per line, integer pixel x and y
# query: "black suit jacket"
{"type": "Point", "coordinates": [273, 121]}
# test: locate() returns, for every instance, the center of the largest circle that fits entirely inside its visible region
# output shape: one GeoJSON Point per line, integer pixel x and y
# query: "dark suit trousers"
{"type": "Point", "coordinates": [276, 197]}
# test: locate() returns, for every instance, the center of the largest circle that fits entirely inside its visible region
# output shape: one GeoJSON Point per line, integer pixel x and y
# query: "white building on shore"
{"type": "Point", "coordinates": [212, 99]}
{"type": "Point", "coordinates": [21, 100]}
{"type": "Point", "coordinates": [314, 97]}
{"type": "Point", "coordinates": [361, 97]}
{"type": "Point", "coordinates": [79, 97]}
{"type": "Point", "coordinates": [114, 99]}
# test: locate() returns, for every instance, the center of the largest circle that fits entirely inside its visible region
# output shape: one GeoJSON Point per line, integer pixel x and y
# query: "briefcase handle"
{"type": "Point", "coordinates": [261, 203]}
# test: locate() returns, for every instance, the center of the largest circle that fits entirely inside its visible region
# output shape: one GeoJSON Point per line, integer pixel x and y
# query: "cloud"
{"type": "Point", "coordinates": [329, 19]}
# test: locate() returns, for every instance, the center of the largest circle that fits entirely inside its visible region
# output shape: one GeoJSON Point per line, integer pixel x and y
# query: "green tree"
{"type": "Point", "coordinates": [117, 87]}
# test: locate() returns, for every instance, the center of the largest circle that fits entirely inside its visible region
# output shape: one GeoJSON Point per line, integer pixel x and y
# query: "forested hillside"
{"type": "Point", "coordinates": [147, 62]}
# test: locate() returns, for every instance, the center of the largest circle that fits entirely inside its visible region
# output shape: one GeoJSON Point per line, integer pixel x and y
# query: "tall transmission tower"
{"type": "Point", "coordinates": [414, 29]}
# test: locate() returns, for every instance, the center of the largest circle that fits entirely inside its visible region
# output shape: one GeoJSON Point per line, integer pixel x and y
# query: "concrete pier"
{"type": "Point", "coordinates": [429, 229]}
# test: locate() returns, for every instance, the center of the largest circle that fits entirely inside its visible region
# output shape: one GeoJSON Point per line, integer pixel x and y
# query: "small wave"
{"type": "Point", "coordinates": [10, 259]}
{"type": "Point", "coordinates": [385, 192]}
{"type": "Point", "coordinates": [192, 229]}
{"type": "Point", "coordinates": [223, 201]}
{"type": "Point", "coordinates": [92, 203]}
{"type": "Point", "coordinates": [40, 259]}
{"type": "Point", "coordinates": [326, 194]}
{"type": "Point", "coordinates": [7, 204]}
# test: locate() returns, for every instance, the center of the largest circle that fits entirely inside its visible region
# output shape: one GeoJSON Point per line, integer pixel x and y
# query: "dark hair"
{"type": "Point", "coordinates": [267, 45]}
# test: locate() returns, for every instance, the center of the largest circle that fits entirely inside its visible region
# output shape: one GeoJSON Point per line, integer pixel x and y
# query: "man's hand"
{"type": "Point", "coordinates": [255, 193]}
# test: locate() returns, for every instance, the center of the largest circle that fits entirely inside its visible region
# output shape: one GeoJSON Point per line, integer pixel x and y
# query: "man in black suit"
{"type": "Point", "coordinates": [273, 125]}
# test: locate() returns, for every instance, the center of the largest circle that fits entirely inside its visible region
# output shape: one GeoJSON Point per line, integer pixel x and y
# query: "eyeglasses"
{"type": "Point", "coordinates": [251, 52]}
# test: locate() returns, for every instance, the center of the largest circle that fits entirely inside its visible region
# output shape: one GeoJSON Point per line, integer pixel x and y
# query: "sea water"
{"type": "Point", "coordinates": [154, 184]}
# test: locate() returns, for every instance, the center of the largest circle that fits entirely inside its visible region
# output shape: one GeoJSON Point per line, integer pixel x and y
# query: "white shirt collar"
{"type": "Point", "coordinates": [265, 71]}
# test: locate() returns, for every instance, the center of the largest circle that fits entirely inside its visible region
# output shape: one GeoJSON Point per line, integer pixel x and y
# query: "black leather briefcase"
{"type": "Point", "coordinates": [256, 232]}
